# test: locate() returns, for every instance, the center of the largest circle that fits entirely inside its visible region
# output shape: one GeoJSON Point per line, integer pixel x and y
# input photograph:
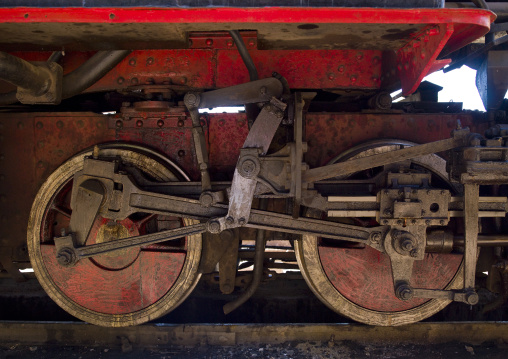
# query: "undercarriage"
{"type": "Point", "coordinates": [133, 193]}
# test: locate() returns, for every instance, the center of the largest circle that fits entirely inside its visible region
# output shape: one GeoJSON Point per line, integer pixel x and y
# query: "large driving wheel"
{"type": "Point", "coordinates": [358, 282]}
{"type": "Point", "coordinates": [122, 288]}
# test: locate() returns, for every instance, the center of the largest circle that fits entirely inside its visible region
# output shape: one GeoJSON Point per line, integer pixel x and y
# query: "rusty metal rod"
{"type": "Point", "coordinates": [258, 268]}
{"type": "Point", "coordinates": [78, 80]}
{"type": "Point", "coordinates": [484, 240]}
{"type": "Point", "coordinates": [23, 74]}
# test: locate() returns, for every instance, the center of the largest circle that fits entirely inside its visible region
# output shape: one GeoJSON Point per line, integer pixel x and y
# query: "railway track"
{"type": "Point", "coordinates": [151, 335]}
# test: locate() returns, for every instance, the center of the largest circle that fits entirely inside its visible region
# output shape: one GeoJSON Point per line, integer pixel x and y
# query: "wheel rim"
{"type": "Point", "coordinates": [127, 288]}
{"type": "Point", "coordinates": [357, 282]}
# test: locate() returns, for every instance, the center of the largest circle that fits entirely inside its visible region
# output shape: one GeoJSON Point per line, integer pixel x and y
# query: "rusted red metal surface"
{"type": "Point", "coordinates": [330, 134]}
{"type": "Point", "coordinates": [133, 288]}
{"type": "Point", "coordinates": [364, 276]}
{"type": "Point", "coordinates": [325, 48]}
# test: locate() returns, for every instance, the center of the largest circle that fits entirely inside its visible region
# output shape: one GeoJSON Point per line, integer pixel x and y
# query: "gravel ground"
{"type": "Point", "coordinates": [297, 350]}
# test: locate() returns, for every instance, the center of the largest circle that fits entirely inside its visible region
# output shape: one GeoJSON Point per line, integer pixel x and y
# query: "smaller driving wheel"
{"type": "Point", "coordinates": [357, 282]}
{"type": "Point", "coordinates": [120, 288]}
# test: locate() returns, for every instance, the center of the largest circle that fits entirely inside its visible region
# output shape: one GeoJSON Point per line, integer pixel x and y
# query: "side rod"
{"type": "Point", "coordinates": [360, 164]}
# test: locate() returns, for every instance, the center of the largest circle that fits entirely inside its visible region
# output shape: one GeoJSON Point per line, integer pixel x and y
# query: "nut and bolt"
{"type": "Point", "coordinates": [66, 257]}
{"type": "Point", "coordinates": [248, 166]}
{"type": "Point", "coordinates": [191, 99]}
{"type": "Point", "coordinates": [472, 298]}
{"type": "Point", "coordinates": [404, 292]}
{"type": "Point", "coordinates": [214, 226]}
{"type": "Point", "coordinates": [407, 244]}
{"type": "Point", "coordinates": [206, 200]}
{"type": "Point", "coordinates": [230, 220]}
{"type": "Point", "coordinates": [375, 237]}
{"type": "Point", "coordinates": [242, 221]}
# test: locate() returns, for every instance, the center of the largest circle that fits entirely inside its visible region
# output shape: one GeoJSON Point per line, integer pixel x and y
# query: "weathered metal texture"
{"type": "Point", "coordinates": [139, 285]}
{"type": "Point", "coordinates": [158, 335]}
{"type": "Point", "coordinates": [364, 277]}
{"type": "Point", "coordinates": [312, 48]}
{"type": "Point", "coordinates": [491, 79]}
{"type": "Point", "coordinates": [227, 133]}
{"type": "Point", "coordinates": [17, 189]}
{"type": "Point", "coordinates": [306, 69]}
{"type": "Point", "coordinates": [418, 57]}
{"type": "Point", "coordinates": [309, 27]}
{"type": "Point", "coordinates": [328, 135]}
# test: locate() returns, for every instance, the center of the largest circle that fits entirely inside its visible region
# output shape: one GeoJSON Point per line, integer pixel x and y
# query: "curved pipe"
{"type": "Point", "coordinates": [83, 77]}
{"type": "Point", "coordinates": [259, 256]}
{"type": "Point", "coordinates": [244, 53]}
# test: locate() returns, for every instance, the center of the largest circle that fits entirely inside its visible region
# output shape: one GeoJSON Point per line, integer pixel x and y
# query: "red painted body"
{"type": "Point", "coordinates": [376, 49]}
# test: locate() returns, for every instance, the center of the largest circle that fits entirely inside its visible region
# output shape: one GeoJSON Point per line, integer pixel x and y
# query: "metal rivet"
{"type": "Point", "coordinates": [132, 62]}
{"type": "Point", "coordinates": [149, 61]}
{"type": "Point", "coordinates": [181, 123]}
{"type": "Point", "coordinates": [139, 123]}
{"type": "Point", "coordinates": [181, 153]}
{"type": "Point", "coordinates": [39, 125]}
{"type": "Point", "coordinates": [120, 80]}
{"type": "Point", "coordinates": [119, 124]}
{"type": "Point", "coordinates": [160, 123]}
{"type": "Point", "coordinates": [209, 42]}
{"type": "Point", "coordinates": [134, 81]}
{"type": "Point", "coordinates": [252, 42]}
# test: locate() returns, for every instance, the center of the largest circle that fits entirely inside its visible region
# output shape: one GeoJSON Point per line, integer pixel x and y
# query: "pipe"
{"type": "Point", "coordinates": [80, 79]}
{"type": "Point", "coordinates": [259, 256]}
{"type": "Point", "coordinates": [23, 74]}
{"type": "Point", "coordinates": [244, 53]}
{"type": "Point", "coordinates": [91, 71]}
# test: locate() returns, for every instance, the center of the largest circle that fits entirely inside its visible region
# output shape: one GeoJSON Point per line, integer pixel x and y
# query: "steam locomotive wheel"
{"type": "Point", "coordinates": [358, 283]}
{"type": "Point", "coordinates": [121, 288]}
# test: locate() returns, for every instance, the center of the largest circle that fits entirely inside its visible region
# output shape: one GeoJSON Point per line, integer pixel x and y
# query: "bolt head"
{"type": "Point", "coordinates": [230, 220]}
{"type": "Point", "coordinates": [242, 221]}
{"type": "Point", "coordinates": [206, 200]}
{"type": "Point", "coordinates": [404, 292]}
{"type": "Point", "coordinates": [375, 237]}
{"type": "Point", "coordinates": [214, 226]}
{"type": "Point", "coordinates": [407, 244]}
{"type": "Point", "coordinates": [248, 166]}
{"type": "Point", "coordinates": [472, 298]}
{"type": "Point", "coordinates": [66, 257]}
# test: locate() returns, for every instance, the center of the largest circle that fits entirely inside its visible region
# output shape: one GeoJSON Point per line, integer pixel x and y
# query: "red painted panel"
{"type": "Point", "coordinates": [364, 276]}
{"type": "Point", "coordinates": [128, 290]}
